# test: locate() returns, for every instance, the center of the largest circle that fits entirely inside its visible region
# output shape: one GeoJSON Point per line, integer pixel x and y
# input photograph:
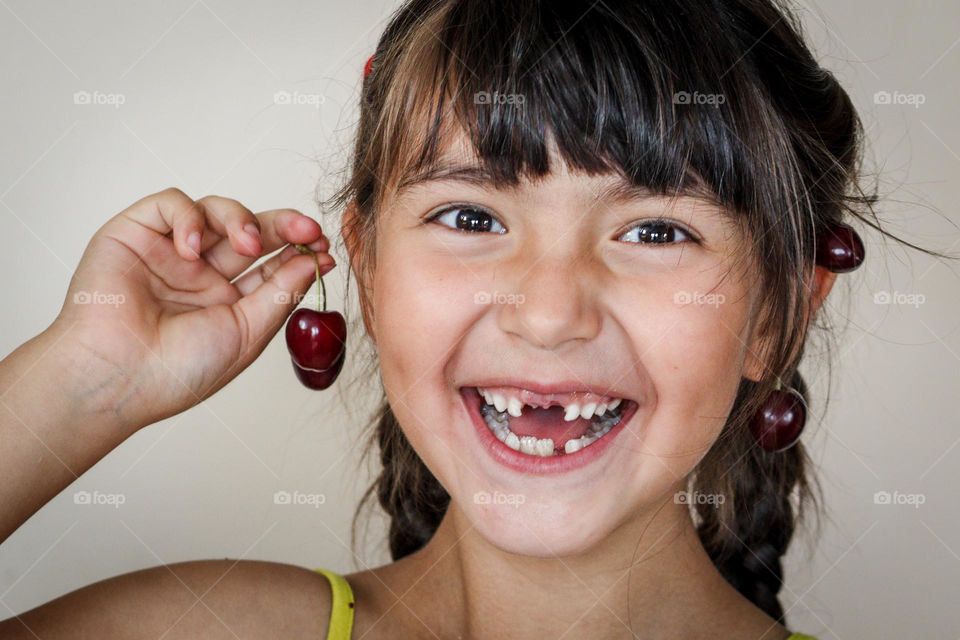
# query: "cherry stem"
{"type": "Point", "coordinates": [322, 306]}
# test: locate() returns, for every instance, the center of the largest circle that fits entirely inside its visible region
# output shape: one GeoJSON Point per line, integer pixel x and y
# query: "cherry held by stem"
{"type": "Point", "coordinates": [317, 339]}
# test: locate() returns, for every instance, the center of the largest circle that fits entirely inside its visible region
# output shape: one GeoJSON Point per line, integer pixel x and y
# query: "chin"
{"type": "Point", "coordinates": [546, 526]}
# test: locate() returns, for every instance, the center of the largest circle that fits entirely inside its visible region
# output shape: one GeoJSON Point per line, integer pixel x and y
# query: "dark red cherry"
{"type": "Point", "coordinates": [839, 248]}
{"type": "Point", "coordinates": [778, 424]}
{"type": "Point", "coordinates": [316, 340]}
{"type": "Point", "coordinates": [318, 380]}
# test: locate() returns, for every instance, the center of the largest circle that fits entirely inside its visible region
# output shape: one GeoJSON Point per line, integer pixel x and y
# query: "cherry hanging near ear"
{"type": "Point", "coordinates": [316, 340]}
{"type": "Point", "coordinates": [839, 248]}
{"type": "Point", "coordinates": [779, 422]}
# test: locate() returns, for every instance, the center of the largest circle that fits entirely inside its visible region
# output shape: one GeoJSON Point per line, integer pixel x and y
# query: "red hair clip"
{"type": "Point", "coordinates": [368, 67]}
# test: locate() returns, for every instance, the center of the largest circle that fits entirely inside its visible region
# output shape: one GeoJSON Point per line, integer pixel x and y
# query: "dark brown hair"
{"type": "Point", "coordinates": [723, 95]}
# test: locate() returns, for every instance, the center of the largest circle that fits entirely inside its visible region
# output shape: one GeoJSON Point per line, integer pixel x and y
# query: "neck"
{"type": "Point", "coordinates": [650, 577]}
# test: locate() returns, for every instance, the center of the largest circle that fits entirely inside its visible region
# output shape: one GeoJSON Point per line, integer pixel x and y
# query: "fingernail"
{"type": "Point", "coordinates": [288, 253]}
{"type": "Point", "coordinates": [193, 241]}
{"type": "Point", "coordinates": [252, 231]}
{"type": "Point", "coordinates": [308, 266]}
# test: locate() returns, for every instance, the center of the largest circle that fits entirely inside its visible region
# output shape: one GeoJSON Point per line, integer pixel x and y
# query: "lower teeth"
{"type": "Point", "coordinates": [499, 424]}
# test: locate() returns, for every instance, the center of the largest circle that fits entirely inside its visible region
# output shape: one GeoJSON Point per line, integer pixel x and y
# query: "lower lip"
{"type": "Point", "coordinates": [538, 465]}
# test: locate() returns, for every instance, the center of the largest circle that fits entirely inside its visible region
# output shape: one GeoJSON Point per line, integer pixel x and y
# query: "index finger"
{"type": "Point", "coordinates": [278, 227]}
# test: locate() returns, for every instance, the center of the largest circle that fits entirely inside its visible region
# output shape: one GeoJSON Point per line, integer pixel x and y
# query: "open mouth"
{"type": "Point", "coordinates": [545, 426]}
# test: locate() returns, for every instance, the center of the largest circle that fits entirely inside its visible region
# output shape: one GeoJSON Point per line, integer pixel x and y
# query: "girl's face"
{"type": "Point", "coordinates": [562, 287]}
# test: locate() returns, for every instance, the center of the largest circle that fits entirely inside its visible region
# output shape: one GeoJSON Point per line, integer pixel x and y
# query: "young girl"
{"type": "Point", "coordinates": [590, 242]}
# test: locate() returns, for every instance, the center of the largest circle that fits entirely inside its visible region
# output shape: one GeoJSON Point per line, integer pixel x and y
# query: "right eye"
{"type": "Point", "coordinates": [468, 219]}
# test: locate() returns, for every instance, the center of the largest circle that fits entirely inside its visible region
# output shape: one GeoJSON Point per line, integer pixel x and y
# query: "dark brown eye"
{"type": "Point", "coordinates": [656, 232]}
{"type": "Point", "coordinates": [469, 219]}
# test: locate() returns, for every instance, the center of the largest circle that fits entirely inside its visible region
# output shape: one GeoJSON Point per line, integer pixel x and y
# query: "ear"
{"type": "Point", "coordinates": [350, 229]}
{"type": "Point", "coordinates": [821, 284]}
{"type": "Point", "coordinates": [823, 280]}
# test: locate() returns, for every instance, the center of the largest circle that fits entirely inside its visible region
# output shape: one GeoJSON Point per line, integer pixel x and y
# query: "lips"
{"type": "Point", "coordinates": [531, 455]}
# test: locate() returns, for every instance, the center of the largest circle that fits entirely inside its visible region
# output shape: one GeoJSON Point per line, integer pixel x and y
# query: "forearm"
{"type": "Point", "coordinates": [58, 416]}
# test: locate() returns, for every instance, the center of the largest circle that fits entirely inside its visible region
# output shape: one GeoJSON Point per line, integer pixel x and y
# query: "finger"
{"type": "Point", "coordinates": [234, 222]}
{"type": "Point", "coordinates": [249, 282]}
{"type": "Point", "coordinates": [265, 309]}
{"type": "Point", "coordinates": [278, 227]}
{"type": "Point", "coordinates": [170, 210]}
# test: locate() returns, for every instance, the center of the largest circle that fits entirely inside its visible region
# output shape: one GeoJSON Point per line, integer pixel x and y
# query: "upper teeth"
{"type": "Point", "coordinates": [586, 409]}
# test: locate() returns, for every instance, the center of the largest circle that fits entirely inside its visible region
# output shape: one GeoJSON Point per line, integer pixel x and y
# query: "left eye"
{"type": "Point", "coordinates": [656, 232]}
{"type": "Point", "coordinates": [468, 219]}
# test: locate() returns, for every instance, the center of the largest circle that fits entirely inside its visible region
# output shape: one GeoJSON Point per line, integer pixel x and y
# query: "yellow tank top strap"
{"type": "Point", "coordinates": [800, 636]}
{"type": "Point", "coordinates": [341, 607]}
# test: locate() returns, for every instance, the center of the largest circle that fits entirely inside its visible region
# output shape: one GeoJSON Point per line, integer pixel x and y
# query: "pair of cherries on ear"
{"type": "Point", "coordinates": [316, 340]}
{"type": "Point", "coordinates": [778, 423]}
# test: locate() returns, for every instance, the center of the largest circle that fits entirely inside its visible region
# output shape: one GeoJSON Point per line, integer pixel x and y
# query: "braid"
{"type": "Point", "coordinates": [748, 535]}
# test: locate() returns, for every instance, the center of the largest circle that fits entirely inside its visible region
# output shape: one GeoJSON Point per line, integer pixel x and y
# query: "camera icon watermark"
{"type": "Point", "coordinates": [897, 98]}
{"type": "Point", "coordinates": [98, 98]}
{"type": "Point", "coordinates": [296, 98]}
{"type": "Point", "coordinates": [695, 498]}
{"type": "Point", "coordinates": [99, 297]}
{"type": "Point", "coordinates": [284, 297]}
{"type": "Point", "coordinates": [698, 98]}
{"type": "Point", "coordinates": [485, 97]}
{"type": "Point", "coordinates": [900, 298]}
{"type": "Point", "coordinates": [699, 298]}
{"type": "Point", "coordinates": [510, 499]}
{"type": "Point", "coordinates": [897, 498]}
{"type": "Point", "coordinates": [498, 297]}
{"type": "Point", "coordinates": [298, 498]}
{"type": "Point", "coordinates": [97, 498]}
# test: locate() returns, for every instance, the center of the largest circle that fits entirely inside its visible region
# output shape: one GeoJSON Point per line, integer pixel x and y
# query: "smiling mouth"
{"type": "Point", "coordinates": [550, 428]}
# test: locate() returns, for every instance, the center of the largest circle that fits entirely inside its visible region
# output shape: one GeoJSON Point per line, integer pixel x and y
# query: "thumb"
{"type": "Point", "coordinates": [265, 308]}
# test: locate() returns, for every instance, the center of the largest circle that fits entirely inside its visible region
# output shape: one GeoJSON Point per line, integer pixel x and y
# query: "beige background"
{"type": "Point", "coordinates": [197, 80]}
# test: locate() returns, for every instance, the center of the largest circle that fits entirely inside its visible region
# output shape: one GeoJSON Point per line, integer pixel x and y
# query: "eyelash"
{"type": "Point", "coordinates": [455, 208]}
{"type": "Point", "coordinates": [672, 228]}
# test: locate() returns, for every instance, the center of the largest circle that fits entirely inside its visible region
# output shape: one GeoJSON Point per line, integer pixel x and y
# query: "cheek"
{"type": "Point", "coordinates": [415, 307]}
{"type": "Point", "coordinates": [693, 352]}
{"type": "Point", "coordinates": [421, 310]}
{"type": "Point", "coordinates": [690, 336]}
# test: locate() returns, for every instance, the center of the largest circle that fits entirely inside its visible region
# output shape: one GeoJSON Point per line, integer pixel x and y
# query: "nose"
{"type": "Point", "coordinates": [555, 303]}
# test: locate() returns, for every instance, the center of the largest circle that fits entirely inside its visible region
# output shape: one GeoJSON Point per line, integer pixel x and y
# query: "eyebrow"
{"type": "Point", "coordinates": [468, 173]}
{"type": "Point", "coordinates": [619, 191]}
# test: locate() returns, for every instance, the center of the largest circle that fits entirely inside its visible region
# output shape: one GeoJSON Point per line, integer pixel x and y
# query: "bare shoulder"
{"type": "Point", "coordinates": [729, 614]}
{"type": "Point", "coordinates": [201, 598]}
{"type": "Point", "coordinates": [386, 602]}
{"type": "Point", "coordinates": [749, 621]}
